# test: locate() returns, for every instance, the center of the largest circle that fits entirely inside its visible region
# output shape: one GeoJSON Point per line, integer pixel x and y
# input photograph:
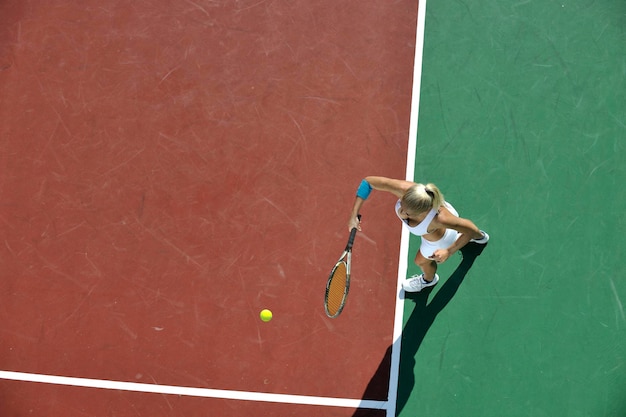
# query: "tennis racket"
{"type": "Point", "coordinates": [338, 282]}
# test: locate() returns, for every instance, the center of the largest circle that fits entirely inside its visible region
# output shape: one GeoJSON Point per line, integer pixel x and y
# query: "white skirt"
{"type": "Point", "coordinates": [427, 248]}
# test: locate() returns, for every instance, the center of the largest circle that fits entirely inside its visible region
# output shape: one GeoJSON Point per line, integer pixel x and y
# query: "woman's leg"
{"type": "Point", "coordinates": [428, 266]}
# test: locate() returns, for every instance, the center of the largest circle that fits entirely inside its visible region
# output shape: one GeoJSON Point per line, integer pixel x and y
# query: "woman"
{"type": "Point", "coordinates": [424, 211]}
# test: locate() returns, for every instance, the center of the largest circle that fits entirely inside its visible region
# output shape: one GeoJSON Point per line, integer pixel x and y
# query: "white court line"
{"type": "Point", "coordinates": [193, 392]}
{"type": "Point", "coordinates": [394, 374]}
{"type": "Point", "coordinates": [390, 405]}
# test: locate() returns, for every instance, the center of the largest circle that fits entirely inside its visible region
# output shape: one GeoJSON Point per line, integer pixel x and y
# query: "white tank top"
{"type": "Point", "coordinates": [422, 228]}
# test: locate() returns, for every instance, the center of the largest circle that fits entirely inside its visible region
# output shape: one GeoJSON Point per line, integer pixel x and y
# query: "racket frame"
{"type": "Point", "coordinates": [346, 259]}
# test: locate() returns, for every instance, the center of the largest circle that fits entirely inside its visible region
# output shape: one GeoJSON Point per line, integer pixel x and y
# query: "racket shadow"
{"type": "Point", "coordinates": [416, 328]}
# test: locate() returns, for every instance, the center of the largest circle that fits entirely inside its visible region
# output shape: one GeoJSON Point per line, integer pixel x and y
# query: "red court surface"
{"type": "Point", "coordinates": [169, 169]}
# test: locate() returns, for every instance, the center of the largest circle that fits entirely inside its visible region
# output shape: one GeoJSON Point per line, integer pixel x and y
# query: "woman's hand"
{"type": "Point", "coordinates": [440, 255]}
{"type": "Point", "coordinates": [354, 222]}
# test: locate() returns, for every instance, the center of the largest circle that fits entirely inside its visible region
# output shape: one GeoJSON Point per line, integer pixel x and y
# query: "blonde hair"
{"type": "Point", "coordinates": [421, 198]}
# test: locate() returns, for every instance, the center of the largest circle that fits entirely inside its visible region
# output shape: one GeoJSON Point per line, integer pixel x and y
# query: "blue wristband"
{"type": "Point", "coordinates": [364, 190]}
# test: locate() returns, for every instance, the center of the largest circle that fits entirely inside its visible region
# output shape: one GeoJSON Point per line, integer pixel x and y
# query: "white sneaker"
{"type": "Point", "coordinates": [417, 283]}
{"type": "Point", "coordinates": [482, 240]}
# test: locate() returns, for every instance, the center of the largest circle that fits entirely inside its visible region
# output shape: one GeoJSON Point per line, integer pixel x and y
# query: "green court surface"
{"type": "Point", "coordinates": [522, 125]}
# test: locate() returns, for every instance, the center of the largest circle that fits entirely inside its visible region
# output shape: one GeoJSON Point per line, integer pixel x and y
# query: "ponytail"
{"type": "Point", "coordinates": [435, 195]}
{"type": "Point", "coordinates": [421, 198]}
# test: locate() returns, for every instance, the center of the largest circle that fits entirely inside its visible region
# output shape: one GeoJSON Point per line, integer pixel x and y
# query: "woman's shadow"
{"type": "Point", "coordinates": [415, 329]}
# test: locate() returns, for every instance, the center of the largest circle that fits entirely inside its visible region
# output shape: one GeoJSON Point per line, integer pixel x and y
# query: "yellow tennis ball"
{"type": "Point", "coordinates": [266, 315]}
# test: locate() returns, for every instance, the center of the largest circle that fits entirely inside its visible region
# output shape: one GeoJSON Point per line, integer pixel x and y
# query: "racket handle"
{"type": "Point", "coordinates": [352, 235]}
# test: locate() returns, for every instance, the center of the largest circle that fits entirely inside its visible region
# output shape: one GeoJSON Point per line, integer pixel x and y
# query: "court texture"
{"type": "Point", "coordinates": [169, 169]}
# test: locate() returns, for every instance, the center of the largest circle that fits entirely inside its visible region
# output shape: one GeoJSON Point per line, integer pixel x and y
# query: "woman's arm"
{"type": "Point", "coordinates": [354, 220]}
{"type": "Point", "coordinates": [393, 186]}
{"type": "Point", "coordinates": [467, 229]}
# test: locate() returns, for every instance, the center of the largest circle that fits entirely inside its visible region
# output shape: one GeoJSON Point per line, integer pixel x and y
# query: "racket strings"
{"type": "Point", "coordinates": [337, 289]}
